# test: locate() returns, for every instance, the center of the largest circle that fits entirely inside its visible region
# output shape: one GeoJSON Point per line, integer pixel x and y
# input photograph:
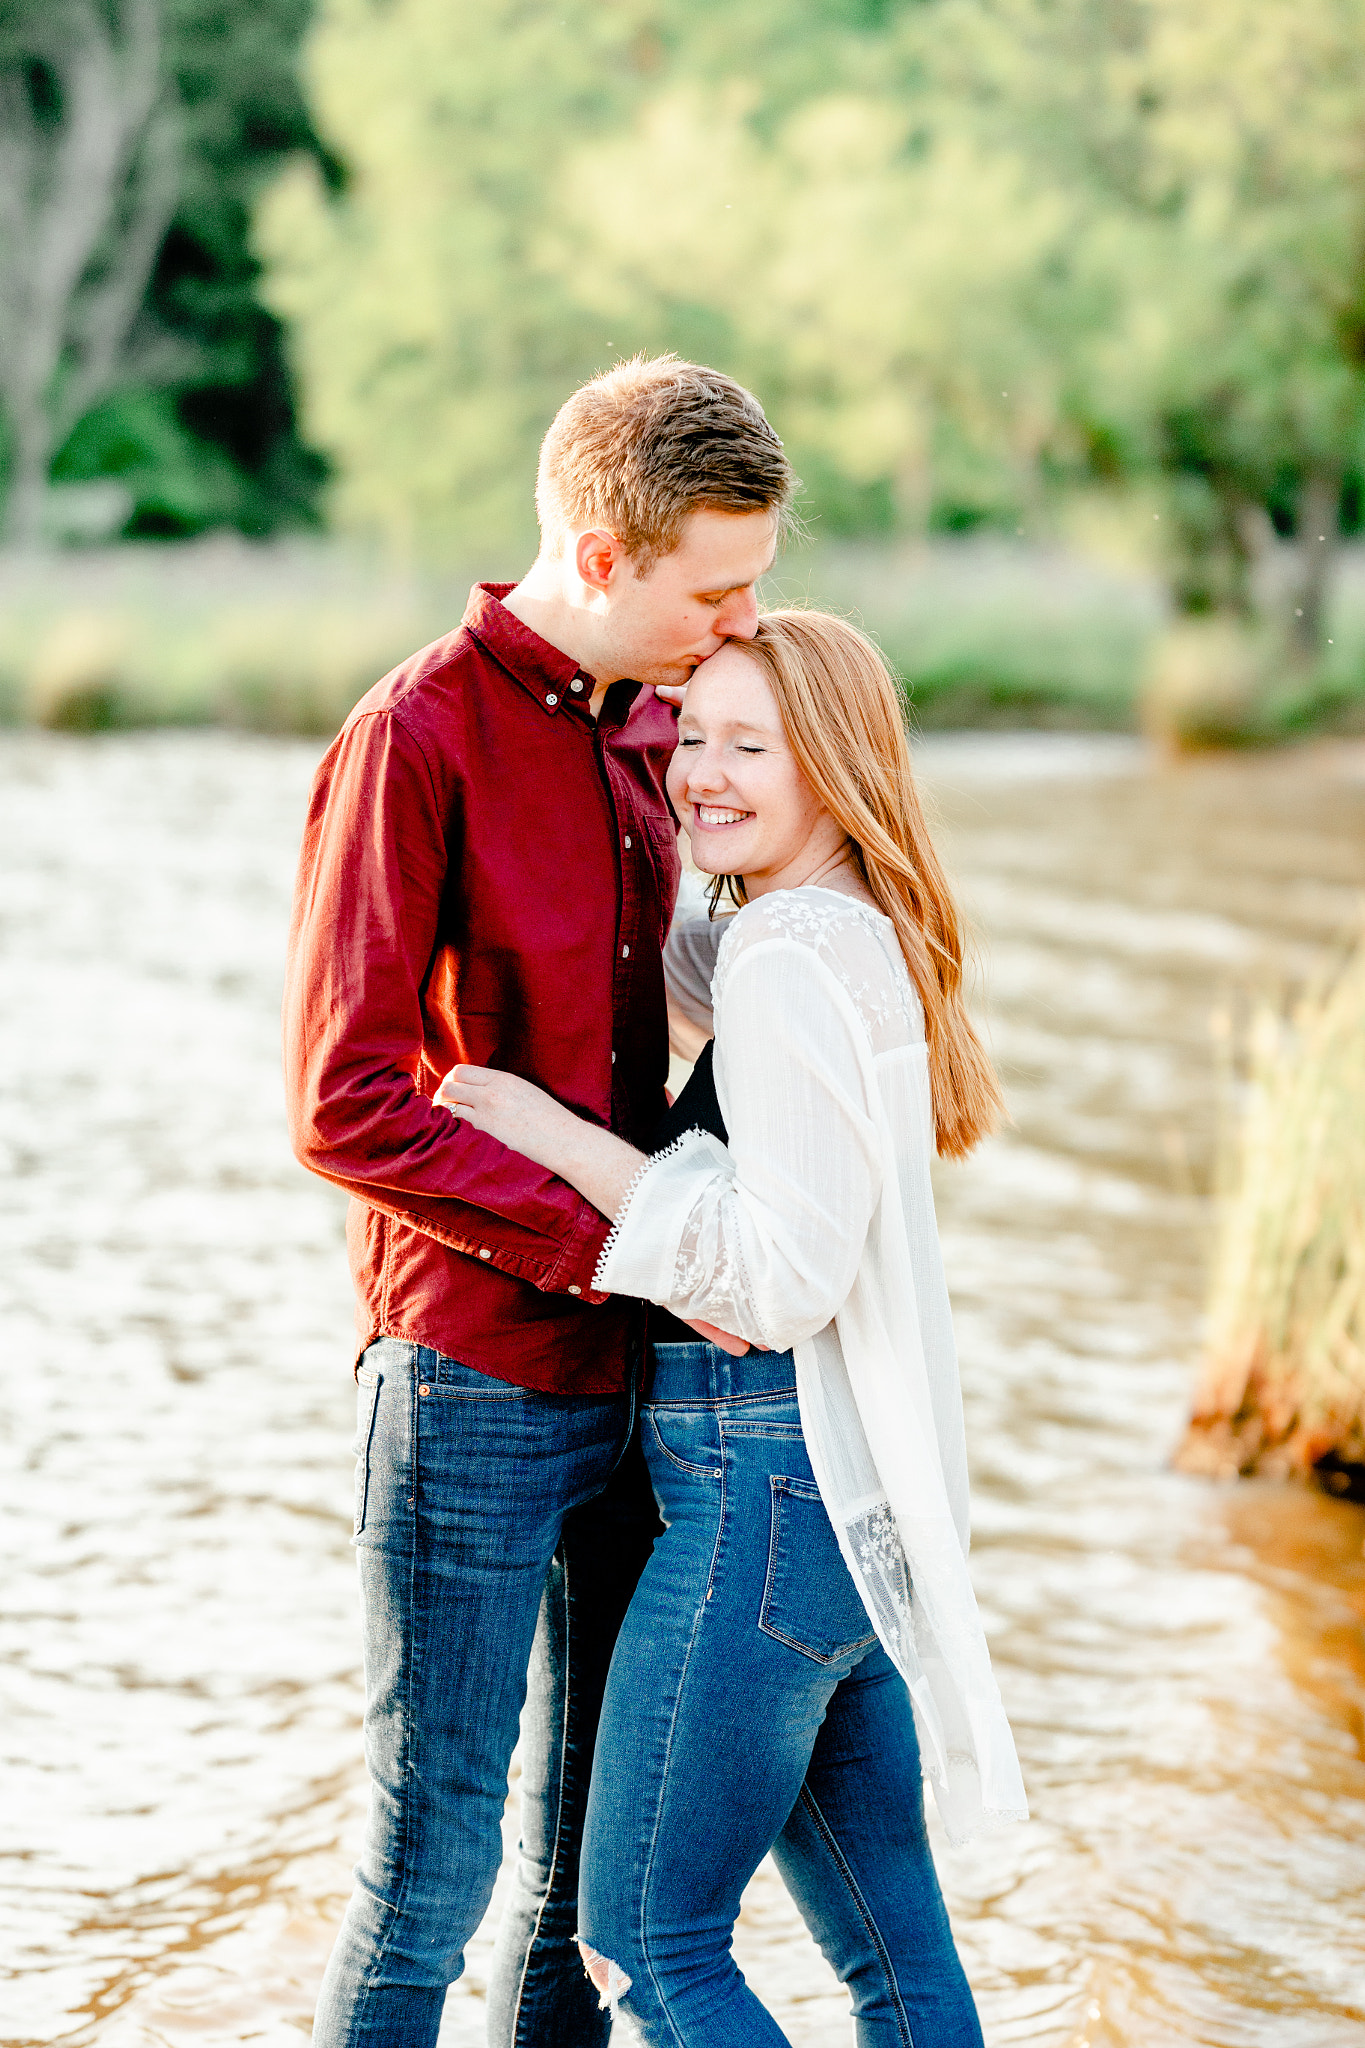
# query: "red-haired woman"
{"type": "Point", "coordinates": [804, 1640]}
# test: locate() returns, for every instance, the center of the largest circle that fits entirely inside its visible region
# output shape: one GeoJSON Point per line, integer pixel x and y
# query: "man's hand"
{"type": "Point", "coordinates": [672, 693]}
{"type": "Point", "coordinates": [736, 1346]}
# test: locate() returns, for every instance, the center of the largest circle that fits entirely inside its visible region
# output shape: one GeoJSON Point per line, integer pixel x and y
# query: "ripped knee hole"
{"type": "Point", "coordinates": [609, 1980]}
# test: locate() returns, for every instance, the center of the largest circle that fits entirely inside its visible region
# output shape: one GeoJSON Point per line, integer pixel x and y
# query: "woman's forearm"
{"type": "Point", "coordinates": [600, 1165]}
{"type": "Point", "coordinates": [527, 1120]}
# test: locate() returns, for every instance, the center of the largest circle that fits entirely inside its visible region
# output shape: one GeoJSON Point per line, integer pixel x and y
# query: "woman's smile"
{"type": "Point", "coordinates": [735, 784]}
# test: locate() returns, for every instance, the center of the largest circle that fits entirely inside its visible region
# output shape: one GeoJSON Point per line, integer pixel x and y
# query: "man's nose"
{"type": "Point", "coordinates": [739, 615]}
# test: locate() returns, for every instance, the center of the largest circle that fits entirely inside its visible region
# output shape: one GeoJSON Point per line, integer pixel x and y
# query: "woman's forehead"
{"type": "Point", "coordinates": [731, 688]}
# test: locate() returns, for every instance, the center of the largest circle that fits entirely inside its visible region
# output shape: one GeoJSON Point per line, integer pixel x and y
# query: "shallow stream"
{"type": "Point", "coordinates": [1184, 1664]}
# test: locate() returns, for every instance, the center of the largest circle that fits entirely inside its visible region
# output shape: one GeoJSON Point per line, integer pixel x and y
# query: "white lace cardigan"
{"type": "Point", "coordinates": [814, 1230]}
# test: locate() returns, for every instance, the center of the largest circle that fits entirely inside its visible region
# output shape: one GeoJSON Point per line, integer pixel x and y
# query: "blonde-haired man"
{"type": "Point", "coordinates": [488, 870]}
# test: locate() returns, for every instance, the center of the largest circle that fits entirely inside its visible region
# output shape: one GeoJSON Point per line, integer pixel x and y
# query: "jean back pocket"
{"type": "Point", "coordinates": [809, 1601]}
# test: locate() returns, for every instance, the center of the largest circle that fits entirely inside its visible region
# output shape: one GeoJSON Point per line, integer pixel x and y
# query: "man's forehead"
{"type": "Point", "coordinates": [724, 548]}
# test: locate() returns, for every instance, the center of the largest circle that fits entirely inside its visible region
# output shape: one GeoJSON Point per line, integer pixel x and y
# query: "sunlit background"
{"type": "Point", "coordinates": [1059, 307]}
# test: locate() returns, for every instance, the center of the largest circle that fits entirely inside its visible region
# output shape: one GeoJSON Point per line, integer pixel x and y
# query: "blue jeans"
{"type": "Point", "coordinates": [494, 1526]}
{"type": "Point", "coordinates": [750, 1707]}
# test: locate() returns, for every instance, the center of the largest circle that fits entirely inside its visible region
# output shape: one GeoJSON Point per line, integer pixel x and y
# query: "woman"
{"type": "Point", "coordinates": [805, 1630]}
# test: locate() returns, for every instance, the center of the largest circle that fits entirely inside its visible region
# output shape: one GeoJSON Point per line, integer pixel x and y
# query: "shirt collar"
{"type": "Point", "coordinates": [543, 671]}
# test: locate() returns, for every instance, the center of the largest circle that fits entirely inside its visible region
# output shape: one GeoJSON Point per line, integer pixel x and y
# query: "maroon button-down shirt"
{"type": "Point", "coordinates": [487, 876]}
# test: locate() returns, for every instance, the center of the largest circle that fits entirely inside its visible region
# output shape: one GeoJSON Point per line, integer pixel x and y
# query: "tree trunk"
{"type": "Point", "coordinates": [1316, 548]}
{"type": "Point", "coordinates": [85, 197]}
{"type": "Point", "coordinates": [30, 453]}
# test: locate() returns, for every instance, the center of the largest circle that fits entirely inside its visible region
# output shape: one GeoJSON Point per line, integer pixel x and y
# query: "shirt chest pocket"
{"type": "Point", "coordinates": [660, 837]}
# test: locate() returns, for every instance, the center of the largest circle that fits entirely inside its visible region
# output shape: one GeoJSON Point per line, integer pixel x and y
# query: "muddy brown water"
{"type": "Point", "coordinates": [1184, 1664]}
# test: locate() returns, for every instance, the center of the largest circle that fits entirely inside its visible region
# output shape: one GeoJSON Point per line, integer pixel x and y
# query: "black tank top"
{"type": "Point", "coordinates": [695, 1109]}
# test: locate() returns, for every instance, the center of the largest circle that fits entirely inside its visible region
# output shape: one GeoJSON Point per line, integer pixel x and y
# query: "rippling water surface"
{"type": "Point", "coordinates": [1185, 1665]}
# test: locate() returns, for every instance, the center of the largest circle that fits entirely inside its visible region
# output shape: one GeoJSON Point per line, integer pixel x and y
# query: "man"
{"type": "Point", "coordinates": [488, 870]}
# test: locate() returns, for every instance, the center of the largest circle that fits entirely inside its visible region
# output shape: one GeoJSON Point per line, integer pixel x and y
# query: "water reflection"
{"type": "Point", "coordinates": [1184, 1665]}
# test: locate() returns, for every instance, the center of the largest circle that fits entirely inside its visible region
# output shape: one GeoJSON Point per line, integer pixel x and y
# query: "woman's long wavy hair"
{"type": "Point", "coordinates": [842, 714]}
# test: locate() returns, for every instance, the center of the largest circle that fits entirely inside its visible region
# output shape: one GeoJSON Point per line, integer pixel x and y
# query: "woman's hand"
{"type": "Point", "coordinates": [515, 1112]}
{"type": "Point", "coordinates": [527, 1120]}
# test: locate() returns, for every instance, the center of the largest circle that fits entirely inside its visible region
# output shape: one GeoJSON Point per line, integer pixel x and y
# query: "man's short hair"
{"type": "Point", "coordinates": [643, 445]}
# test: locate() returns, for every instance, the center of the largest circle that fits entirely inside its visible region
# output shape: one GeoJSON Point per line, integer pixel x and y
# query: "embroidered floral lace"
{"type": "Point", "coordinates": [814, 1230]}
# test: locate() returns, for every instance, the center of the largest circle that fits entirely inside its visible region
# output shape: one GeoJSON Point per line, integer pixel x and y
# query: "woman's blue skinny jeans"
{"type": "Point", "coordinates": [749, 1707]}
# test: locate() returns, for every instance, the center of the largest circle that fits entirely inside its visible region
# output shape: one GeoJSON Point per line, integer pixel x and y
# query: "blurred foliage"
{"type": "Point", "coordinates": [236, 68]}
{"type": "Point", "coordinates": [217, 632]}
{"type": "Point", "coordinates": [984, 631]}
{"type": "Point", "coordinates": [973, 254]}
{"type": "Point", "coordinates": [138, 137]}
{"type": "Point", "coordinates": [986, 262]}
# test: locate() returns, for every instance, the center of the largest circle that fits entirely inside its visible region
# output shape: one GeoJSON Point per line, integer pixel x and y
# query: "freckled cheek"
{"type": "Point", "coordinates": [676, 781]}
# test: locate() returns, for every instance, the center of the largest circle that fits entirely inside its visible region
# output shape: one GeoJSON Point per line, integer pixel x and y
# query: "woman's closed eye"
{"type": "Point", "coordinates": [693, 740]}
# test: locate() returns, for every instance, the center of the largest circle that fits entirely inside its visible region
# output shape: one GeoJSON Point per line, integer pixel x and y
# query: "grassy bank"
{"type": "Point", "coordinates": [1282, 1388]}
{"type": "Point", "coordinates": [217, 633]}
{"type": "Point", "coordinates": [286, 638]}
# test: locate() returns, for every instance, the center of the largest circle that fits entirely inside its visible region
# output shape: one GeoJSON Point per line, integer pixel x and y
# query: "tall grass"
{"type": "Point", "coordinates": [287, 637]}
{"type": "Point", "coordinates": [992, 633]}
{"type": "Point", "coordinates": [1282, 1388]}
{"type": "Point", "coordinates": [221, 633]}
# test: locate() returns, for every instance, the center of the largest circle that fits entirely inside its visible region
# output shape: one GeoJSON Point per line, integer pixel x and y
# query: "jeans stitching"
{"type": "Point", "coordinates": [395, 1909]}
{"type": "Point", "coordinates": [773, 1432]}
{"type": "Point", "coordinates": [864, 1913]}
{"type": "Point", "coordinates": [563, 1769]}
{"type": "Point", "coordinates": [683, 1464]}
{"type": "Point", "coordinates": [780, 1486]}
{"type": "Point", "coordinates": [663, 1776]}
{"type": "Point", "coordinates": [722, 1402]}
{"type": "Point", "coordinates": [559, 1833]}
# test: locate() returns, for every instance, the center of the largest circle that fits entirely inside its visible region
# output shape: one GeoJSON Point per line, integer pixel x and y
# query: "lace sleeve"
{"type": "Point", "coordinates": [763, 1238]}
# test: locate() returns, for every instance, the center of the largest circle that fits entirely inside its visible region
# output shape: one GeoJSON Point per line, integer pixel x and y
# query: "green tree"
{"type": "Point", "coordinates": [973, 253]}
{"type": "Point", "coordinates": [439, 307]}
{"type": "Point", "coordinates": [89, 167]}
{"type": "Point", "coordinates": [1219, 157]}
{"type": "Point", "coordinates": [134, 139]}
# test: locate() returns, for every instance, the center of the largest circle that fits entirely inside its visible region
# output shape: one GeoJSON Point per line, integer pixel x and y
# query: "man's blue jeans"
{"type": "Point", "coordinates": [749, 1706]}
{"type": "Point", "coordinates": [479, 1508]}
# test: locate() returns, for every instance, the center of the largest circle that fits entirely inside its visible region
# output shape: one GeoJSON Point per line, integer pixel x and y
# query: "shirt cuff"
{"type": "Point", "coordinates": [575, 1271]}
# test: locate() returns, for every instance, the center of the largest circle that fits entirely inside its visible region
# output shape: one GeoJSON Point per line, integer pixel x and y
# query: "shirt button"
{"type": "Point", "coordinates": [484, 1252]}
{"type": "Point", "coordinates": [575, 686]}
{"type": "Point", "coordinates": [625, 952]}
{"type": "Point", "coordinates": [627, 839]}
{"type": "Point", "coordinates": [575, 1290]}
{"type": "Point", "coordinates": [551, 698]}
{"type": "Point", "coordinates": [613, 1059]}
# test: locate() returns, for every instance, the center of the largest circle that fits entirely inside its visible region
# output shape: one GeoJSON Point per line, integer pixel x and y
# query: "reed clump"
{"type": "Point", "coordinates": [1282, 1386]}
{"type": "Point", "coordinates": [275, 640]}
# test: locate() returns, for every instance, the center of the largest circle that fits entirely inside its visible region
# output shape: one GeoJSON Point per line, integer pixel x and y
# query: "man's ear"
{"type": "Point", "coordinates": [596, 554]}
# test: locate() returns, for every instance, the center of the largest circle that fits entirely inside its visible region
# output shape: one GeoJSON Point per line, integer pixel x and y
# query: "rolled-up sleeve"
{"type": "Point", "coordinates": [372, 876]}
